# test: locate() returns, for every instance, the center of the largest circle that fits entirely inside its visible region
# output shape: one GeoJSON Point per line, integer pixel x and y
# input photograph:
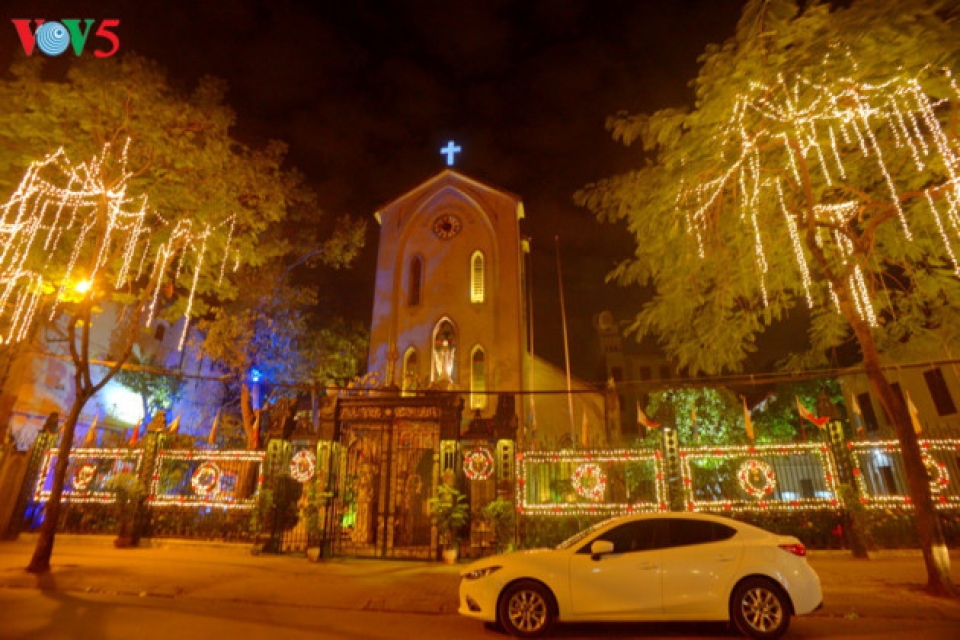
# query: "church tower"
{"type": "Point", "coordinates": [449, 309]}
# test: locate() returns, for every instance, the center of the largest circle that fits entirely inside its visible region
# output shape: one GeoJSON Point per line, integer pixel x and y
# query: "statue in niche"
{"type": "Point", "coordinates": [365, 492]}
{"type": "Point", "coordinates": [444, 357]}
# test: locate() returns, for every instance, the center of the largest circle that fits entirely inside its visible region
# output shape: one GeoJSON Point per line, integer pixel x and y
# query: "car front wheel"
{"type": "Point", "coordinates": [760, 609]}
{"type": "Point", "coordinates": [526, 609]}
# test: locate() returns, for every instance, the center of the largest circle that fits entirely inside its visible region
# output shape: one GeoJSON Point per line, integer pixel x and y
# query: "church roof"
{"type": "Point", "coordinates": [445, 178]}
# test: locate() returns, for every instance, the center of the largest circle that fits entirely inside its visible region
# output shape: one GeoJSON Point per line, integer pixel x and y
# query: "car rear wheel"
{"type": "Point", "coordinates": [526, 609]}
{"type": "Point", "coordinates": [760, 609]}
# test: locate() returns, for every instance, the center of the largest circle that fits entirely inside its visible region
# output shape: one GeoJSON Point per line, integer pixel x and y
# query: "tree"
{"type": "Point", "coordinates": [701, 416]}
{"type": "Point", "coordinates": [268, 328]}
{"type": "Point", "coordinates": [816, 174]}
{"type": "Point", "coordinates": [149, 200]}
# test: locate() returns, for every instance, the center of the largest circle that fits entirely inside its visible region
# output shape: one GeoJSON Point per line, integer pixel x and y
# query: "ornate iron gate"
{"type": "Point", "coordinates": [389, 470]}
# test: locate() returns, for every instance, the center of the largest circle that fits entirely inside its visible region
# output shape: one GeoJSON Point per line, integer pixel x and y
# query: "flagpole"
{"type": "Point", "coordinates": [566, 343]}
{"type": "Point", "coordinates": [532, 422]}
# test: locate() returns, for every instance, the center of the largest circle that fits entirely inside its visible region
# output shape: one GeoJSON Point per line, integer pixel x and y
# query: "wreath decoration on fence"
{"type": "Point", "coordinates": [937, 472]}
{"type": "Point", "coordinates": [206, 480]}
{"type": "Point", "coordinates": [84, 476]}
{"type": "Point", "coordinates": [478, 464]}
{"type": "Point", "coordinates": [757, 478]}
{"type": "Point", "coordinates": [589, 481]}
{"type": "Point", "coordinates": [303, 466]}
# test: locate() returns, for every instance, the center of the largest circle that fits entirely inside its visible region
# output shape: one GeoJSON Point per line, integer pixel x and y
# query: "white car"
{"type": "Point", "coordinates": [649, 567]}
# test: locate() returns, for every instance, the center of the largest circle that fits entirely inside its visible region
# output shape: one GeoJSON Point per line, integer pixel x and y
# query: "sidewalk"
{"type": "Point", "coordinates": [229, 572]}
{"type": "Point", "coordinates": [890, 585]}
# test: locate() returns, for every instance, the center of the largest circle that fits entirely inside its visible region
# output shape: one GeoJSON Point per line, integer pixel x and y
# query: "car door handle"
{"type": "Point", "coordinates": [725, 558]}
{"type": "Point", "coordinates": [647, 566]}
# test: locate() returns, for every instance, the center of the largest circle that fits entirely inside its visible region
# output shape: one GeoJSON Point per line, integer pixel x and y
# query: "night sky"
{"type": "Point", "coordinates": [366, 93]}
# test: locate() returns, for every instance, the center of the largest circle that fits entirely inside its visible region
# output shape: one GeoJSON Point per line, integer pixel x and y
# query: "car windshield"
{"type": "Point", "coordinates": [577, 537]}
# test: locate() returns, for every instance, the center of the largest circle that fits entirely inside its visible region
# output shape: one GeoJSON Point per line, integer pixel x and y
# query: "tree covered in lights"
{"type": "Point", "coordinates": [114, 177]}
{"type": "Point", "coordinates": [816, 176]}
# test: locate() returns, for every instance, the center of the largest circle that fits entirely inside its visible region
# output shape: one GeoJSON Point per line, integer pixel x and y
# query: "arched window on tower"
{"type": "Point", "coordinates": [411, 372]}
{"type": "Point", "coordinates": [416, 281]}
{"type": "Point", "coordinates": [476, 277]}
{"type": "Point", "coordinates": [478, 379]}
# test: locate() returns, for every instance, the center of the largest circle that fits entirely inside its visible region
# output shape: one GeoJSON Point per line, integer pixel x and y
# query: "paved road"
{"type": "Point", "coordinates": [194, 590]}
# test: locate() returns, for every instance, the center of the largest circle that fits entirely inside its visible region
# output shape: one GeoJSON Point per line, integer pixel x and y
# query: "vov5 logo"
{"type": "Point", "coordinates": [53, 38]}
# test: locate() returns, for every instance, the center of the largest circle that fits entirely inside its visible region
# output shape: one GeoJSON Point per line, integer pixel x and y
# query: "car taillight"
{"type": "Point", "coordinates": [796, 549]}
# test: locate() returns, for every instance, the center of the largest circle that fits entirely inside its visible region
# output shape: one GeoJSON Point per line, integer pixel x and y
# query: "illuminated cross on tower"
{"type": "Point", "coordinates": [450, 150]}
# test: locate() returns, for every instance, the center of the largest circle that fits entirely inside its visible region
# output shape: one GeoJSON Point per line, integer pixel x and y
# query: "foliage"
{"type": "Point", "coordinates": [719, 415]}
{"type": "Point", "coordinates": [157, 389]}
{"type": "Point", "coordinates": [777, 415]}
{"type": "Point", "coordinates": [450, 512]}
{"type": "Point", "coordinates": [501, 515]}
{"type": "Point", "coordinates": [127, 488]}
{"type": "Point", "coordinates": [537, 532]}
{"type": "Point", "coordinates": [338, 352]}
{"type": "Point", "coordinates": [310, 514]}
{"type": "Point", "coordinates": [262, 512]}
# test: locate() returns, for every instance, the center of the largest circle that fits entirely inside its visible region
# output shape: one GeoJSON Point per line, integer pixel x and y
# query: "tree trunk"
{"type": "Point", "coordinates": [40, 563]}
{"type": "Point", "coordinates": [932, 543]}
{"type": "Point", "coordinates": [246, 414]}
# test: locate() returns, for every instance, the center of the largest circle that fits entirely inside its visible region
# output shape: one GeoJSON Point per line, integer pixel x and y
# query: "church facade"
{"type": "Point", "coordinates": [449, 308]}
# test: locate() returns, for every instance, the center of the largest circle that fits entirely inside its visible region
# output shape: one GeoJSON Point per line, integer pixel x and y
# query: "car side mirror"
{"type": "Point", "coordinates": [600, 548]}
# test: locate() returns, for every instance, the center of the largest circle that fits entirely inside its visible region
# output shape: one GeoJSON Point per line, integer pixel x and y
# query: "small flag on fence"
{"type": "Point", "coordinates": [914, 414]}
{"type": "Point", "coordinates": [174, 427]}
{"type": "Point", "coordinates": [213, 429]}
{"type": "Point", "coordinates": [806, 415]}
{"type": "Point", "coordinates": [643, 420]}
{"type": "Point", "coordinates": [747, 421]}
{"type": "Point", "coordinates": [855, 410]}
{"type": "Point", "coordinates": [90, 440]}
{"type": "Point", "coordinates": [136, 433]}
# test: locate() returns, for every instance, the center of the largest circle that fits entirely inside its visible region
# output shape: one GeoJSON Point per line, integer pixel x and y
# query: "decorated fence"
{"type": "Point", "coordinates": [224, 479]}
{"type": "Point", "coordinates": [606, 482]}
{"type": "Point", "coordinates": [882, 481]}
{"type": "Point", "coordinates": [223, 494]}
{"type": "Point", "coordinates": [737, 479]}
{"type": "Point", "coordinates": [774, 477]}
{"type": "Point", "coordinates": [89, 472]}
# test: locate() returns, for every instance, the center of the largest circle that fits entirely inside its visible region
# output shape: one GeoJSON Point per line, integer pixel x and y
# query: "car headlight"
{"type": "Point", "coordinates": [476, 574]}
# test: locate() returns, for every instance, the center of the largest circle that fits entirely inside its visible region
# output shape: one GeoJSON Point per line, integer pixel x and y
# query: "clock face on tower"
{"type": "Point", "coordinates": [446, 226]}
